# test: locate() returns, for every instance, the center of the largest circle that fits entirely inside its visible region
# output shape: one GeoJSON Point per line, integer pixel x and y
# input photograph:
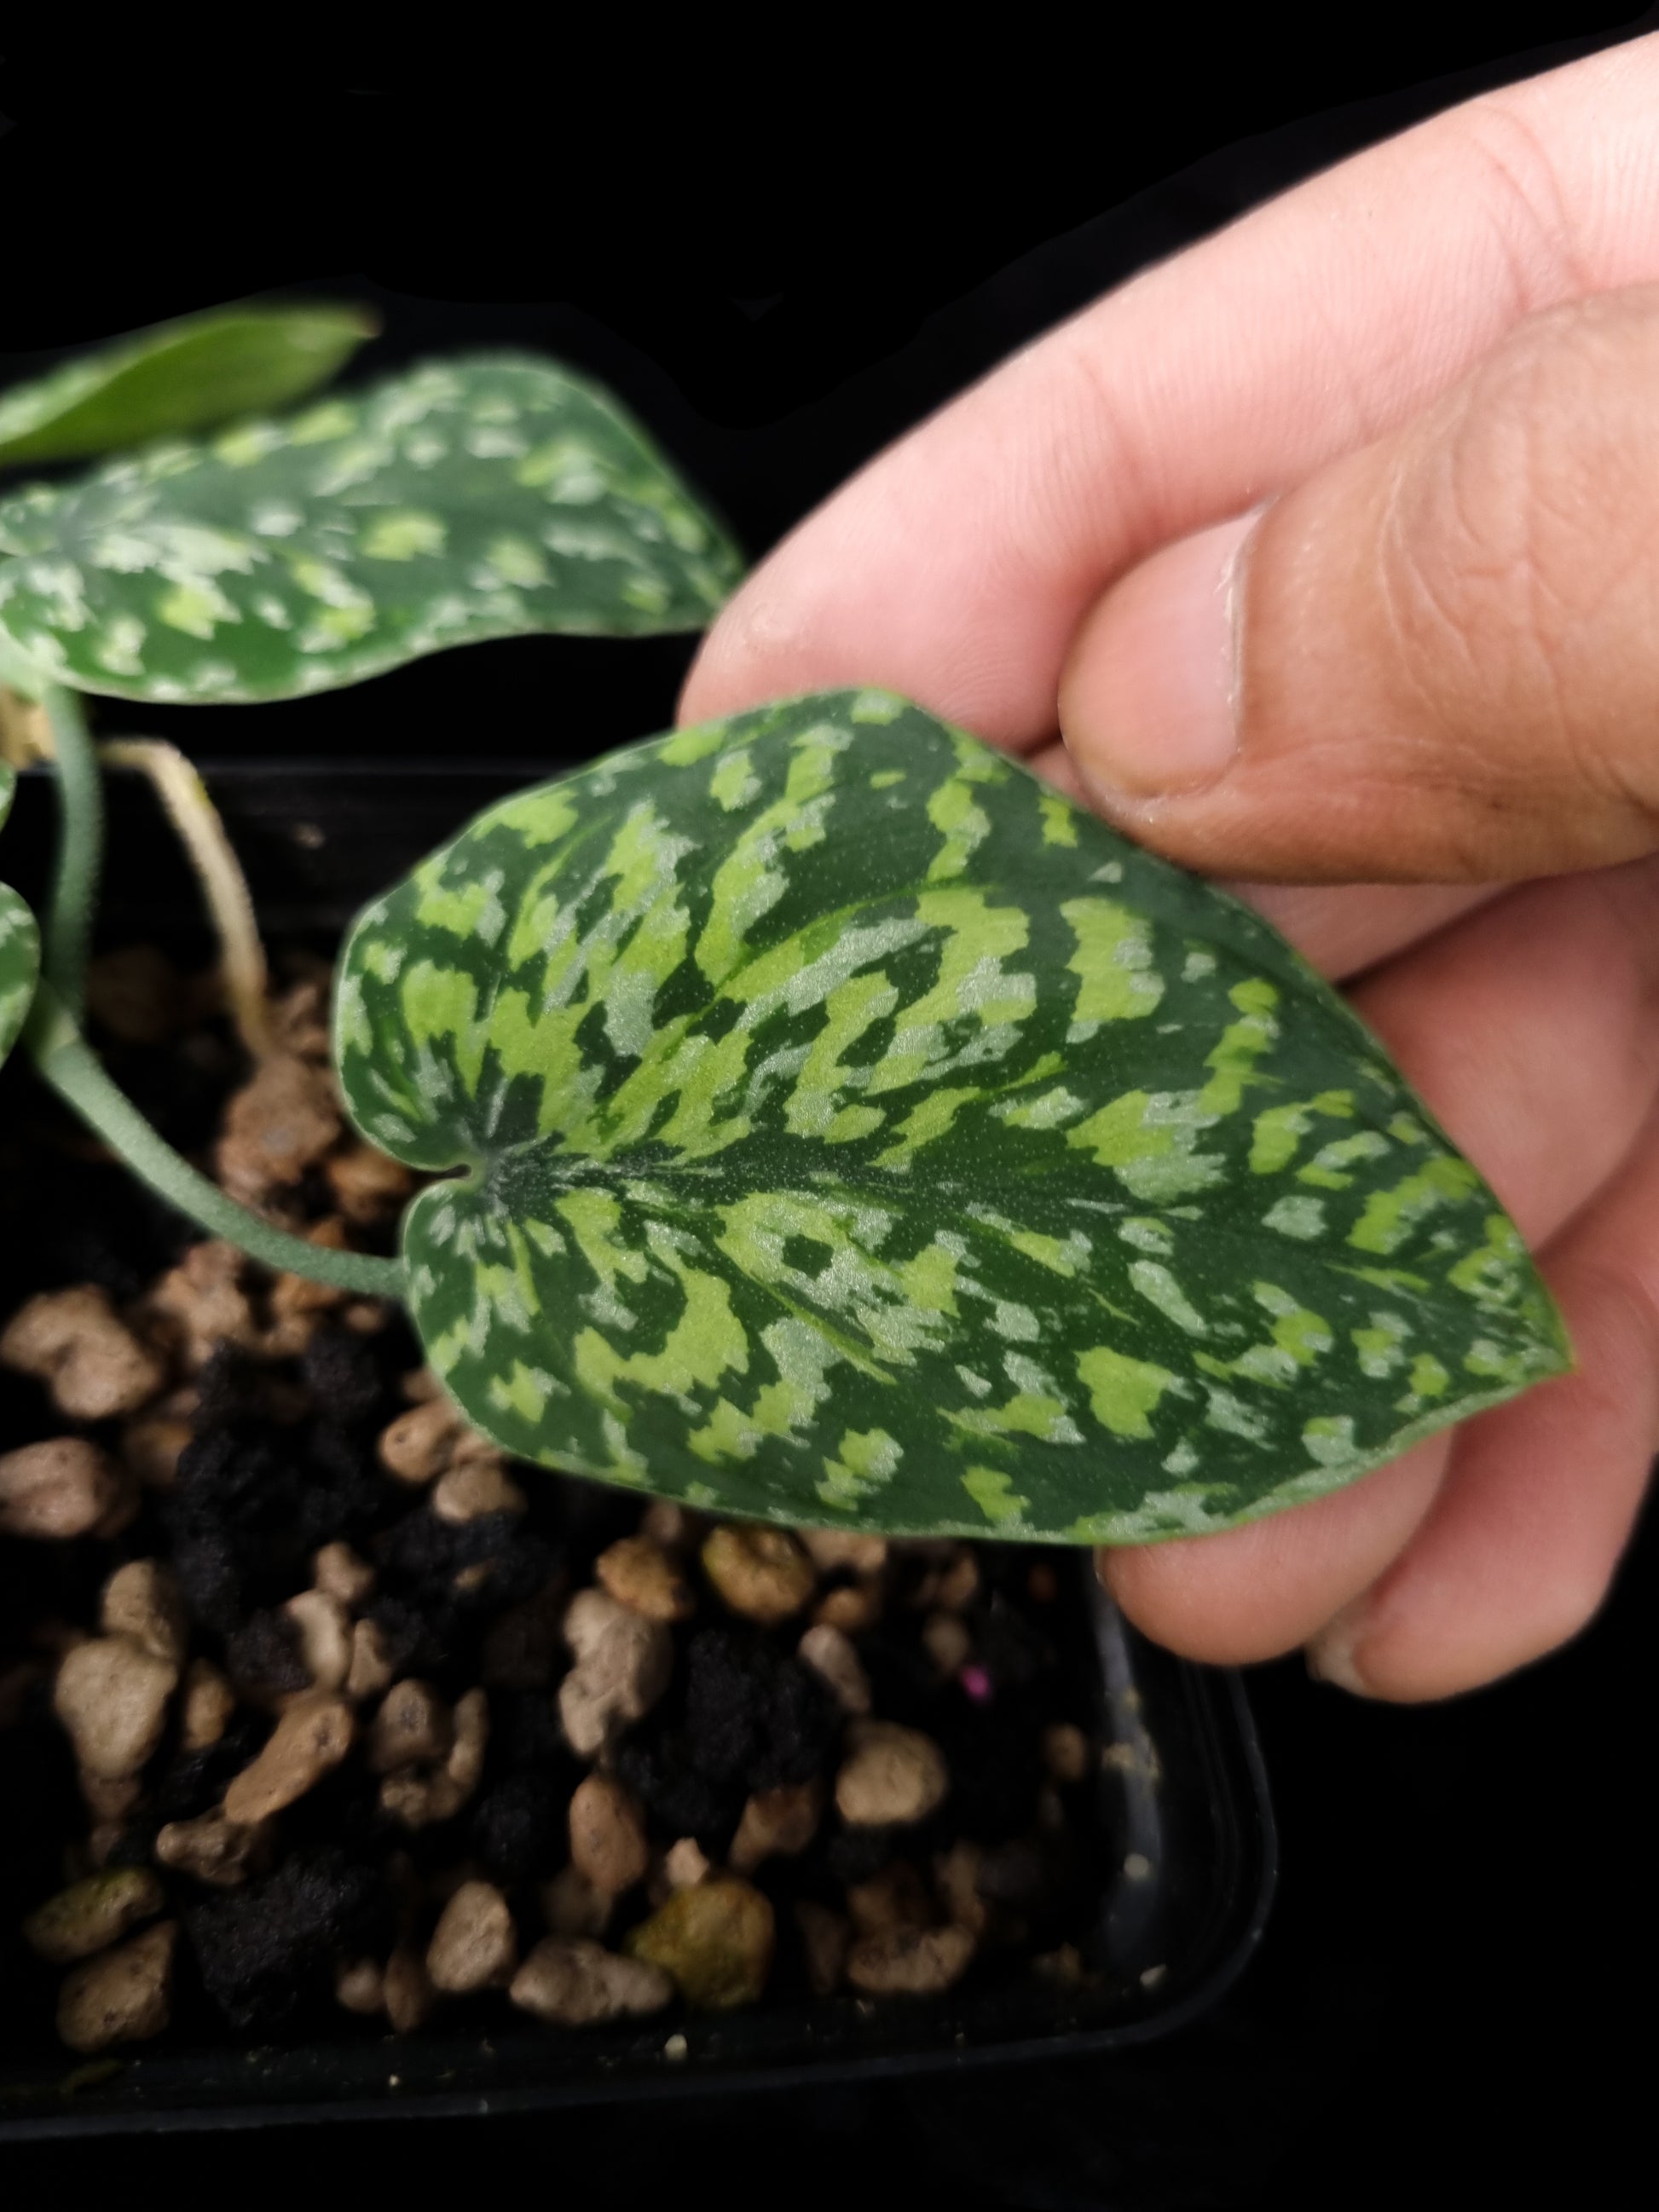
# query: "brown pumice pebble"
{"type": "Point", "coordinates": [622, 1665]}
{"type": "Point", "coordinates": [112, 1696]}
{"type": "Point", "coordinates": [835, 1548]}
{"type": "Point", "coordinates": [474, 1944]}
{"type": "Point", "coordinates": [575, 1983]}
{"type": "Point", "coordinates": [646, 1579]}
{"type": "Point", "coordinates": [853, 1608]}
{"type": "Point", "coordinates": [684, 1864]}
{"type": "Point", "coordinates": [409, 1996]}
{"type": "Point", "coordinates": [312, 1735]}
{"type": "Point", "coordinates": [674, 1525]}
{"type": "Point", "coordinates": [76, 1343]}
{"type": "Point", "coordinates": [214, 1849]}
{"type": "Point", "coordinates": [276, 1126]}
{"type": "Point", "coordinates": [473, 1487]}
{"type": "Point", "coordinates": [776, 1823]}
{"type": "Point", "coordinates": [946, 1639]}
{"type": "Point", "coordinates": [324, 1628]}
{"type": "Point", "coordinates": [1067, 1752]}
{"type": "Point", "coordinates": [91, 1914]}
{"type": "Point", "coordinates": [370, 1671]}
{"type": "Point", "coordinates": [360, 1987]}
{"type": "Point", "coordinates": [109, 1798]}
{"type": "Point", "coordinates": [761, 1572]}
{"type": "Point", "coordinates": [608, 1844]}
{"type": "Point", "coordinates": [202, 1304]}
{"type": "Point", "coordinates": [894, 1776]}
{"type": "Point", "coordinates": [422, 1443]}
{"type": "Point", "coordinates": [910, 1961]}
{"type": "Point", "coordinates": [415, 1447]}
{"type": "Point", "coordinates": [338, 1572]}
{"type": "Point", "coordinates": [207, 1705]}
{"type": "Point", "coordinates": [413, 1727]}
{"type": "Point", "coordinates": [418, 1797]}
{"type": "Point", "coordinates": [62, 1488]}
{"type": "Point", "coordinates": [122, 1995]}
{"type": "Point", "coordinates": [829, 1652]}
{"type": "Point", "coordinates": [142, 1600]}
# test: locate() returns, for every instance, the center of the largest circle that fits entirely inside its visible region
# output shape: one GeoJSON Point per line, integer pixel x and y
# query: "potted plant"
{"type": "Point", "coordinates": [809, 1123]}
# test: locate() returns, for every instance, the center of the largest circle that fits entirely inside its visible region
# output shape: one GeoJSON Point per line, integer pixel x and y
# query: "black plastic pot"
{"type": "Point", "coordinates": [1184, 1890]}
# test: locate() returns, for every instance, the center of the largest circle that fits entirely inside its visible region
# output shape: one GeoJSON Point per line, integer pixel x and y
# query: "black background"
{"type": "Point", "coordinates": [1453, 2001]}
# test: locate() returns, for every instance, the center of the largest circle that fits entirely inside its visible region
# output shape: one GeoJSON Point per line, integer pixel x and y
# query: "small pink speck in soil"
{"type": "Point", "coordinates": [977, 1682]}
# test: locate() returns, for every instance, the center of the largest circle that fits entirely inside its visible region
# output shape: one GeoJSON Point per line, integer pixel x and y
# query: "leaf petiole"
{"type": "Point", "coordinates": [66, 1061]}
{"type": "Point", "coordinates": [67, 932]}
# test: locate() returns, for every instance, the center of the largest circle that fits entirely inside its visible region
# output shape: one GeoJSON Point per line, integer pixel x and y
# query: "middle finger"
{"type": "Point", "coordinates": [1530, 1030]}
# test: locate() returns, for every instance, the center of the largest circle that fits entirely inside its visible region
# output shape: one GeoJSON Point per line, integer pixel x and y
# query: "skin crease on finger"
{"type": "Point", "coordinates": [1342, 929]}
{"type": "Point", "coordinates": [1532, 1029]}
{"type": "Point", "coordinates": [1442, 652]}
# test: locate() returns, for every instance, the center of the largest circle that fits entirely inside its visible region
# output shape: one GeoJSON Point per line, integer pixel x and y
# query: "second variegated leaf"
{"type": "Point", "coordinates": [462, 500]}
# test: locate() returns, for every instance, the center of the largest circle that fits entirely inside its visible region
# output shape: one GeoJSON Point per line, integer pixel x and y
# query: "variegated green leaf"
{"type": "Point", "coordinates": [461, 501]}
{"type": "Point", "coordinates": [19, 966]}
{"type": "Point", "coordinates": [20, 944]}
{"type": "Point", "coordinates": [852, 1129]}
{"type": "Point", "coordinates": [180, 376]}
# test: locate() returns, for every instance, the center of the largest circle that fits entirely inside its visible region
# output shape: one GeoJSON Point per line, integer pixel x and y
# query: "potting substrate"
{"type": "Point", "coordinates": [330, 1738]}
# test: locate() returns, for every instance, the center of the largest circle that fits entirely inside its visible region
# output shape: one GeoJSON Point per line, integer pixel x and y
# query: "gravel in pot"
{"type": "Point", "coordinates": [317, 1715]}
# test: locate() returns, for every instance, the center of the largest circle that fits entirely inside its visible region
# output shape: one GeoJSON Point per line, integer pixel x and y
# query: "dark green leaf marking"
{"type": "Point", "coordinates": [461, 501]}
{"type": "Point", "coordinates": [20, 944]}
{"type": "Point", "coordinates": [179, 377]}
{"type": "Point", "coordinates": [852, 1129]}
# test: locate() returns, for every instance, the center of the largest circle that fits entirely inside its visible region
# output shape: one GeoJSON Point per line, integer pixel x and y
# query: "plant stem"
{"type": "Point", "coordinates": [195, 818]}
{"type": "Point", "coordinates": [68, 932]}
{"type": "Point", "coordinates": [68, 1064]}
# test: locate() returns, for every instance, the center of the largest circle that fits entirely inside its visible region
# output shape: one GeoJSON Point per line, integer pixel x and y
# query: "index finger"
{"type": "Point", "coordinates": [957, 567]}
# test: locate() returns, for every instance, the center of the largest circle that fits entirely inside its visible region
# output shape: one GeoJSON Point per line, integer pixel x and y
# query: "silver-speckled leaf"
{"type": "Point", "coordinates": [179, 377]}
{"type": "Point", "coordinates": [20, 944]}
{"type": "Point", "coordinates": [464, 500]}
{"type": "Point", "coordinates": [851, 1127]}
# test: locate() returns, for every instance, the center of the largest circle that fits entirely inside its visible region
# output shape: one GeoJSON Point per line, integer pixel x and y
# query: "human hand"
{"type": "Point", "coordinates": [1327, 555]}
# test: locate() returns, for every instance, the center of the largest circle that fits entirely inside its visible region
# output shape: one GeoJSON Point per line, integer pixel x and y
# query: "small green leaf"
{"type": "Point", "coordinates": [19, 966]}
{"type": "Point", "coordinates": [465, 499]}
{"type": "Point", "coordinates": [853, 1129]}
{"type": "Point", "coordinates": [19, 943]}
{"type": "Point", "coordinates": [180, 376]}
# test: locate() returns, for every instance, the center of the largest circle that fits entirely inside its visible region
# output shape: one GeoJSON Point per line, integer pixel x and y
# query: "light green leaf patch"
{"type": "Point", "coordinates": [179, 377]}
{"type": "Point", "coordinates": [20, 944]}
{"type": "Point", "coordinates": [461, 501]}
{"type": "Point", "coordinates": [852, 1129]}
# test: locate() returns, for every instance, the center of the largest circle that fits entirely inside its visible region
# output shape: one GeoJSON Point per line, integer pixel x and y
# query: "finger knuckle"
{"type": "Point", "coordinates": [1520, 545]}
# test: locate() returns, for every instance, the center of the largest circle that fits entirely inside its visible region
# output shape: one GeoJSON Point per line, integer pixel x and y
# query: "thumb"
{"type": "Point", "coordinates": [1438, 658]}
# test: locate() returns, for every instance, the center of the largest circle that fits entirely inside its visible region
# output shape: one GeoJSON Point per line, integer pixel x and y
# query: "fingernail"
{"type": "Point", "coordinates": [1148, 704]}
{"type": "Point", "coordinates": [1330, 1654]}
